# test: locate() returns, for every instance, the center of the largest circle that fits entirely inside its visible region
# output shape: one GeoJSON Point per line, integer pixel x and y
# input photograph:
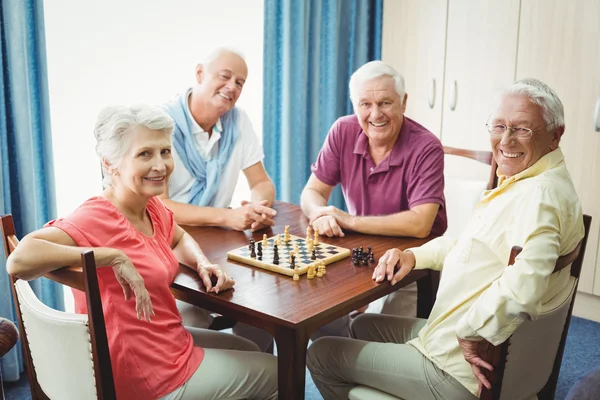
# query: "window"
{"type": "Point", "coordinates": [135, 51]}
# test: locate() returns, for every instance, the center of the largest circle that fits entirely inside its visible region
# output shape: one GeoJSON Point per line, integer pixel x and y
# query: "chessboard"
{"type": "Point", "coordinates": [325, 254]}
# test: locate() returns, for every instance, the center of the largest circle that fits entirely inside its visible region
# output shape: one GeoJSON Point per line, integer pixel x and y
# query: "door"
{"type": "Point", "coordinates": [414, 42]}
{"type": "Point", "coordinates": [481, 52]}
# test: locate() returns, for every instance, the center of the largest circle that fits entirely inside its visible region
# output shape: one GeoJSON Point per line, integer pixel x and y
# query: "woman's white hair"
{"type": "Point", "coordinates": [541, 95]}
{"type": "Point", "coordinates": [113, 126]}
{"type": "Point", "coordinates": [372, 70]}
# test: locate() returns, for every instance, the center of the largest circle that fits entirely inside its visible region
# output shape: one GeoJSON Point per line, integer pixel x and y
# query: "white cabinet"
{"type": "Point", "coordinates": [414, 42]}
{"type": "Point", "coordinates": [559, 43]}
{"type": "Point", "coordinates": [454, 55]}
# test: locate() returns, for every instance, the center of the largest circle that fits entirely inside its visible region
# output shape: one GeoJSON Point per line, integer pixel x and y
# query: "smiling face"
{"type": "Point", "coordinates": [514, 154]}
{"type": "Point", "coordinates": [220, 82]}
{"type": "Point", "coordinates": [380, 109]}
{"type": "Point", "coordinates": [145, 169]}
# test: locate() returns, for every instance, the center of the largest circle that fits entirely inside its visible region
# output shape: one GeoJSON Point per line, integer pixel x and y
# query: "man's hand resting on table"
{"type": "Point", "coordinates": [386, 268]}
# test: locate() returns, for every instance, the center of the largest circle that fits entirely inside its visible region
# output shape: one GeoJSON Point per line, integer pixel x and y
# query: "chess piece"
{"type": "Point", "coordinates": [296, 275]}
{"type": "Point", "coordinates": [310, 246]}
{"type": "Point", "coordinates": [286, 234]}
{"type": "Point", "coordinates": [314, 255]}
{"type": "Point", "coordinates": [323, 269]}
{"type": "Point", "coordinates": [252, 252]}
{"type": "Point", "coordinates": [275, 255]}
{"type": "Point", "coordinates": [296, 249]}
{"type": "Point", "coordinates": [370, 250]}
{"type": "Point", "coordinates": [372, 258]}
{"type": "Point", "coordinates": [355, 261]}
{"type": "Point", "coordinates": [308, 234]}
{"type": "Point", "coordinates": [316, 237]}
{"type": "Point", "coordinates": [259, 250]}
{"type": "Point", "coordinates": [265, 241]}
{"type": "Point", "coordinates": [319, 273]}
{"type": "Point", "coordinates": [310, 274]}
{"type": "Point", "coordinates": [292, 261]}
{"type": "Point", "coordinates": [251, 244]}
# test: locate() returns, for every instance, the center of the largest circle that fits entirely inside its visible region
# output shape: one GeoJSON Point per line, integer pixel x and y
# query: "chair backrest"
{"type": "Point", "coordinates": [528, 363]}
{"type": "Point", "coordinates": [462, 194]}
{"type": "Point", "coordinates": [66, 354]}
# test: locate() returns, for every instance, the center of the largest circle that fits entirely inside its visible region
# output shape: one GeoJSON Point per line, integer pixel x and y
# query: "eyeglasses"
{"type": "Point", "coordinates": [518, 131]}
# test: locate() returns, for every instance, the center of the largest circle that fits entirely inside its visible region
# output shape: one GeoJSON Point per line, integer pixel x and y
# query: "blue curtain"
{"type": "Point", "coordinates": [26, 166]}
{"type": "Point", "coordinates": [311, 48]}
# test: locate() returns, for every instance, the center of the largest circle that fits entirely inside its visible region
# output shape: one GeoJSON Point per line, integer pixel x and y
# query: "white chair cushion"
{"type": "Point", "coordinates": [60, 347]}
{"type": "Point", "coordinates": [461, 197]}
{"type": "Point", "coordinates": [534, 346]}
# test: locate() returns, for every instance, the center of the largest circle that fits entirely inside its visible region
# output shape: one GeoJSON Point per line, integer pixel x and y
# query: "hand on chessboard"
{"type": "Point", "coordinates": [330, 221]}
{"type": "Point", "coordinates": [214, 278]}
{"type": "Point", "coordinates": [253, 216]}
{"type": "Point", "coordinates": [393, 266]}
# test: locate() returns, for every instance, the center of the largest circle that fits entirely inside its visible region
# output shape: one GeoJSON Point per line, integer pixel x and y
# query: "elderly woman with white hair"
{"type": "Point", "coordinates": [535, 206]}
{"type": "Point", "coordinates": [138, 247]}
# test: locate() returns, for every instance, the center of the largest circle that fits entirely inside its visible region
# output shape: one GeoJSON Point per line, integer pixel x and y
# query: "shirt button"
{"type": "Point", "coordinates": [371, 169]}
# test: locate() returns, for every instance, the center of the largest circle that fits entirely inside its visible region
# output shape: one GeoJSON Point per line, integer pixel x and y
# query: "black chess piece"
{"type": "Point", "coordinates": [252, 252]}
{"type": "Point", "coordinates": [275, 255]}
{"type": "Point", "coordinates": [259, 251]}
{"type": "Point", "coordinates": [370, 250]}
{"type": "Point", "coordinates": [293, 263]}
{"type": "Point", "coordinates": [372, 258]}
{"type": "Point", "coordinates": [365, 261]}
{"type": "Point", "coordinates": [314, 255]}
{"type": "Point", "coordinates": [251, 244]}
{"type": "Point", "coordinates": [355, 262]}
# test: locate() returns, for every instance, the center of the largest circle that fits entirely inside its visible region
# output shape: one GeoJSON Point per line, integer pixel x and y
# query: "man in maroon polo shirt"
{"type": "Point", "coordinates": [391, 168]}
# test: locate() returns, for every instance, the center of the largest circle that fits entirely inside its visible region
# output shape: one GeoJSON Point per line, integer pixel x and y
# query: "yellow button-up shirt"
{"type": "Point", "coordinates": [479, 296]}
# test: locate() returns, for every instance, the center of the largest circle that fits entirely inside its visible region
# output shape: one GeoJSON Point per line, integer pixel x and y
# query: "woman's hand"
{"type": "Point", "coordinates": [208, 270]}
{"type": "Point", "coordinates": [131, 281]}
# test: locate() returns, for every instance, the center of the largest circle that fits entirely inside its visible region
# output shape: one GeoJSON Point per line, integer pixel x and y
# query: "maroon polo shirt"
{"type": "Point", "coordinates": [411, 175]}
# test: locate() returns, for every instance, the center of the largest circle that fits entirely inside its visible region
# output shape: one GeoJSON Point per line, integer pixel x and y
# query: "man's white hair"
{"type": "Point", "coordinates": [372, 70]}
{"type": "Point", "coordinates": [114, 124]}
{"type": "Point", "coordinates": [218, 52]}
{"type": "Point", "coordinates": [541, 95]}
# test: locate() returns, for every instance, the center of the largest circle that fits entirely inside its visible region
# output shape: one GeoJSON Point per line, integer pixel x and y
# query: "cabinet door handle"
{"type": "Point", "coordinates": [431, 99]}
{"type": "Point", "coordinates": [597, 115]}
{"type": "Point", "coordinates": [453, 94]}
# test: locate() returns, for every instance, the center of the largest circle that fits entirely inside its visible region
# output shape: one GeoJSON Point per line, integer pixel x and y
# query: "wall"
{"type": "Point", "coordinates": [126, 52]}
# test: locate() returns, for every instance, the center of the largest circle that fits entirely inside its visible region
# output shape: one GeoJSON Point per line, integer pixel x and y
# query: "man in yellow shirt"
{"type": "Point", "coordinates": [535, 206]}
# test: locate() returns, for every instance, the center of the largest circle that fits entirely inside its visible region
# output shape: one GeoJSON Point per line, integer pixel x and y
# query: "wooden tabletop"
{"type": "Point", "coordinates": [278, 298]}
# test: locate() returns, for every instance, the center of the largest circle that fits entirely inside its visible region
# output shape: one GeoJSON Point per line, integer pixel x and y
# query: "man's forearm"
{"type": "Point", "coordinates": [263, 191]}
{"type": "Point", "coordinates": [188, 214]}
{"type": "Point", "coordinates": [405, 223]}
{"type": "Point", "coordinates": [311, 200]}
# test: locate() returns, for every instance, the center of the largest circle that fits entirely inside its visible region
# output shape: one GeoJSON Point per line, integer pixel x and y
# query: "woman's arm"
{"type": "Point", "coordinates": [51, 248]}
{"type": "Point", "coordinates": [189, 253]}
